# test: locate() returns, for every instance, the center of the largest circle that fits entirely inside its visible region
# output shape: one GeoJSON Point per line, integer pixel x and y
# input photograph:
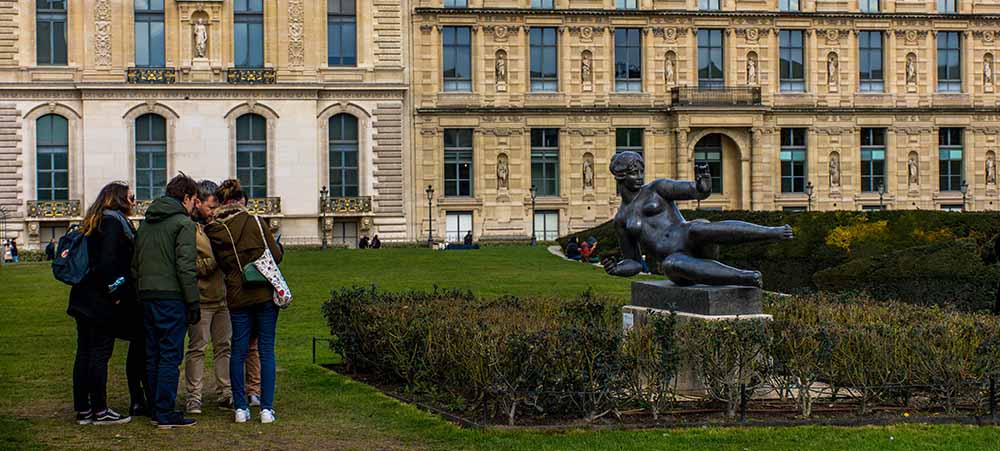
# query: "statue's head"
{"type": "Point", "coordinates": [629, 170]}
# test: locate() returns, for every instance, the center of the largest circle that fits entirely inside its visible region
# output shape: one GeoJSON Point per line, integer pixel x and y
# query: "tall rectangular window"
{"type": "Point", "coordinates": [947, 6]}
{"type": "Point", "coordinates": [150, 156]}
{"type": "Point", "coordinates": [149, 37]}
{"type": "Point", "coordinates": [710, 59]}
{"type": "Point", "coordinates": [456, 3]}
{"type": "Point", "coordinates": [869, 6]}
{"type": "Point", "coordinates": [251, 154]}
{"type": "Point", "coordinates": [458, 162]}
{"type": "Point", "coordinates": [50, 32]}
{"type": "Point", "coordinates": [793, 73]}
{"type": "Point", "coordinates": [545, 161]}
{"type": "Point", "coordinates": [709, 5]}
{"type": "Point", "coordinates": [793, 160]}
{"type": "Point", "coordinates": [789, 5]}
{"type": "Point", "coordinates": [628, 139]}
{"type": "Point", "coordinates": [457, 225]}
{"type": "Point", "coordinates": [456, 44]}
{"type": "Point", "coordinates": [542, 4]}
{"type": "Point", "coordinates": [628, 60]}
{"type": "Point", "coordinates": [708, 151]}
{"type": "Point", "coordinates": [950, 163]}
{"type": "Point", "coordinates": [343, 137]}
{"type": "Point", "coordinates": [248, 33]}
{"type": "Point", "coordinates": [872, 159]}
{"type": "Point", "coordinates": [547, 225]}
{"type": "Point", "coordinates": [52, 158]}
{"type": "Point", "coordinates": [949, 61]}
{"type": "Point", "coordinates": [341, 33]}
{"type": "Point", "coordinates": [627, 4]}
{"type": "Point", "coordinates": [870, 61]}
{"type": "Point", "coordinates": [544, 60]}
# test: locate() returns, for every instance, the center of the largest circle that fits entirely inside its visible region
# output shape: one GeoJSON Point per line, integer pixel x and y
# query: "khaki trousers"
{"type": "Point", "coordinates": [214, 325]}
{"type": "Point", "coordinates": [253, 369]}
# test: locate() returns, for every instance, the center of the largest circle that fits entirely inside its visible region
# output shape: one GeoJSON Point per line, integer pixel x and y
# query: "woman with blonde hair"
{"type": "Point", "coordinates": [100, 301]}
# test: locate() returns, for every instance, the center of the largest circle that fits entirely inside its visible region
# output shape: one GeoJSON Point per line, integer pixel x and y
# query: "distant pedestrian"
{"type": "Point", "coordinates": [50, 250]}
{"type": "Point", "coordinates": [376, 243]}
{"type": "Point", "coordinates": [363, 244]}
{"type": "Point", "coordinates": [13, 250]}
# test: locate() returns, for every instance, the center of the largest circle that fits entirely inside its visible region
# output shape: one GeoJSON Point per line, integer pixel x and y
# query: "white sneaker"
{"type": "Point", "coordinates": [254, 401]}
{"type": "Point", "coordinates": [266, 416]}
{"type": "Point", "coordinates": [242, 415]}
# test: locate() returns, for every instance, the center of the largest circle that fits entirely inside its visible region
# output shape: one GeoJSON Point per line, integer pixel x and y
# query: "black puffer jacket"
{"type": "Point", "coordinates": [110, 250]}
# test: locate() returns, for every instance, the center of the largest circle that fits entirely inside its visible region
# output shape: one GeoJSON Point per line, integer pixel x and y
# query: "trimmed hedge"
{"type": "Point", "coordinates": [826, 240]}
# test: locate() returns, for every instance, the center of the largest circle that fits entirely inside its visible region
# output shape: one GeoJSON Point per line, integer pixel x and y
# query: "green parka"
{"type": "Point", "coordinates": [165, 256]}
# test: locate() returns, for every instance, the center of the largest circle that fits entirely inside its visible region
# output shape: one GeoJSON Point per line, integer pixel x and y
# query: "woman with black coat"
{"type": "Point", "coordinates": [104, 305]}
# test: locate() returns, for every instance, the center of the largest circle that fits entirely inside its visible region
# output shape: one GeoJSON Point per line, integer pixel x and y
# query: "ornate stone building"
{"type": "Point", "coordinates": [291, 96]}
{"type": "Point", "coordinates": [792, 103]}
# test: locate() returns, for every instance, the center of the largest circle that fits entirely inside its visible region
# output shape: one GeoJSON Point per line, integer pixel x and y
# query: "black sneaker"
{"type": "Point", "coordinates": [84, 417]}
{"type": "Point", "coordinates": [177, 422]}
{"type": "Point", "coordinates": [226, 404]}
{"type": "Point", "coordinates": [110, 417]}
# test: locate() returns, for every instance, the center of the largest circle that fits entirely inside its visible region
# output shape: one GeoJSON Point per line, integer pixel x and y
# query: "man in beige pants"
{"type": "Point", "coordinates": [214, 322]}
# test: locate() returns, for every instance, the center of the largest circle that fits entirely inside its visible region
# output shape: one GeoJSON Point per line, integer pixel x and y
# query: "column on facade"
{"type": "Point", "coordinates": [746, 171]}
{"type": "Point", "coordinates": [968, 63]}
{"type": "Point", "coordinates": [681, 158]}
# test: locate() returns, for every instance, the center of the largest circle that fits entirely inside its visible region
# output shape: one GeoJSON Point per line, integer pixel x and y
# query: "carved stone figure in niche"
{"type": "Point", "coordinates": [200, 31]}
{"type": "Point", "coordinates": [588, 171]}
{"type": "Point", "coordinates": [832, 69]}
{"type": "Point", "coordinates": [834, 170]}
{"type": "Point", "coordinates": [503, 172]}
{"type": "Point", "coordinates": [752, 69]}
{"type": "Point", "coordinates": [586, 67]}
{"type": "Point", "coordinates": [501, 69]}
{"type": "Point", "coordinates": [669, 71]}
{"type": "Point", "coordinates": [991, 170]}
{"type": "Point", "coordinates": [988, 69]}
{"type": "Point", "coordinates": [911, 69]}
{"type": "Point", "coordinates": [912, 169]}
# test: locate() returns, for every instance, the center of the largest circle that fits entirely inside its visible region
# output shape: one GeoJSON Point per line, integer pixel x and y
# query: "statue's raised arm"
{"type": "Point", "coordinates": [699, 189]}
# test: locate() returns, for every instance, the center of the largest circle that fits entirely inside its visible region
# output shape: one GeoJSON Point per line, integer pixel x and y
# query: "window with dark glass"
{"type": "Point", "coordinates": [793, 160]}
{"type": "Point", "coordinates": [544, 59]}
{"type": "Point", "coordinates": [872, 159]}
{"type": "Point", "coordinates": [789, 5]}
{"type": "Point", "coordinates": [343, 135]}
{"type": "Point", "coordinates": [456, 3]}
{"type": "Point", "coordinates": [710, 59]}
{"type": "Point", "coordinates": [150, 156]}
{"type": "Point", "coordinates": [869, 6]}
{"type": "Point", "coordinates": [456, 43]}
{"type": "Point", "coordinates": [458, 162]}
{"type": "Point", "coordinates": [792, 67]}
{"type": "Point", "coordinates": [949, 61]}
{"type": "Point", "coordinates": [947, 6]}
{"type": "Point", "coordinates": [149, 38]}
{"type": "Point", "coordinates": [542, 4]}
{"type": "Point", "coordinates": [251, 154]}
{"type": "Point", "coordinates": [870, 60]}
{"type": "Point", "coordinates": [950, 164]}
{"type": "Point", "coordinates": [52, 158]}
{"type": "Point", "coordinates": [50, 32]}
{"type": "Point", "coordinates": [709, 151]}
{"type": "Point", "coordinates": [628, 139]}
{"type": "Point", "coordinates": [341, 33]}
{"type": "Point", "coordinates": [627, 4]}
{"type": "Point", "coordinates": [708, 5]}
{"type": "Point", "coordinates": [628, 60]}
{"type": "Point", "coordinates": [248, 33]}
{"type": "Point", "coordinates": [545, 161]}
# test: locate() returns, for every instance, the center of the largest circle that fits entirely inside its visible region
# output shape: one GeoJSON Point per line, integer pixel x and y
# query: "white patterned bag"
{"type": "Point", "coordinates": [269, 269]}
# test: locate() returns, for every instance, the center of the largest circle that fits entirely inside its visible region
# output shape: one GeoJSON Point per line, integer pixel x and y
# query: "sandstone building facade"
{"type": "Point", "coordinates": [291, 96]}
{"type": "Point", "coordinates": [793, 104]}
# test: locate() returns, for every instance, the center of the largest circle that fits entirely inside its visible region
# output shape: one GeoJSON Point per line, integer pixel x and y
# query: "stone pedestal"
{"type": "Point", "coordinates": [691, 303]}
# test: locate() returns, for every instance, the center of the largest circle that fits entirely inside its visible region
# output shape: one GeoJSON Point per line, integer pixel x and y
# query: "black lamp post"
{"type": "Point", "coordinates": [3, 232]}
{"type": "Point", "coordinates": [809, 194]}
{"type": "Point", "coordinates": [881, 195]}
{"type": "Point", "coordinates": [430, 218]}
{"type": "Point", "coordinates": [324, 197]}
{"type": "Point", "coordinates": [965, 189]}
{"type": "Point", "coordinates": [534, 194]}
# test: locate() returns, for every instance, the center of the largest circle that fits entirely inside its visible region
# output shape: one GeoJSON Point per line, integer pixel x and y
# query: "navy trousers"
{"type": "Point", "coordinates": [166, 327]}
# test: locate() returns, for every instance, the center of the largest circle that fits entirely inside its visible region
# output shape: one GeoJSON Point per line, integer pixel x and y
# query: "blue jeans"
{"type": "Point", "coordinates": [166, 327]}
{"type": "Point", "coordinates": [259, 320]}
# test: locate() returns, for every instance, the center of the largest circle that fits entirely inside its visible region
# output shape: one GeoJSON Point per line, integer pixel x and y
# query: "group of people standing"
{"type": "Point", "coordinates": [181, 273]}
{"type": "Point", "coordinates": [10, 253]}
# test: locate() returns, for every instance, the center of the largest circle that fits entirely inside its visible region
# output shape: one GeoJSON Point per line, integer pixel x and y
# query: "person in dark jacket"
{"type": "Point", "coordinates": [376, 243]}
{"type": "Point", "coordinates": [165, 266]}
{"type": "Point", "coordinates": [238, 238]}
{"type": "Point", "coordinates": [364, 243]}
{"type": "Point", "coordinates": [96, 300]}
{"type": "Point", "coordinates": [573, 249]}
{"type": "Point", "coordinates": [50, 250]}
{"type": "Point", "coordinates": [13, 251]}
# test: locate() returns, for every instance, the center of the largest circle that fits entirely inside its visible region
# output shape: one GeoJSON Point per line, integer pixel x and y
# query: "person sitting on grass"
{"type": "Point", "coordinates": [376, 243]}
{"type": "Point", "coordinates": [572, 249]}
{"type": "Point", "coordinates": [585, 252]}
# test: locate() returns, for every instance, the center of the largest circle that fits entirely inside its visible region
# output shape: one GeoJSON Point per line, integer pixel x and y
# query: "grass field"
{"type": "Point", "coordinates": [321, 410]}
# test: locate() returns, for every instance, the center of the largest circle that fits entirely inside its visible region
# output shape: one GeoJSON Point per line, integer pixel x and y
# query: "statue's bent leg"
{"type": "Point", "coordinates": [687, 269]}
{"type": "Point", "coordinates": [731, 232]}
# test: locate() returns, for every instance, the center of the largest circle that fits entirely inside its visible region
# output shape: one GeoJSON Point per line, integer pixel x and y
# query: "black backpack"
{"type": "Point", "coordinates": [71, 262]}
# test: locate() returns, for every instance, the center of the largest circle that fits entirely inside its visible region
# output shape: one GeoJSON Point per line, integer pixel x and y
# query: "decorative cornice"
{"type": "Point", "coordinates": [175, 92]}
{"type": "Point", "coordinates": [679, 13]}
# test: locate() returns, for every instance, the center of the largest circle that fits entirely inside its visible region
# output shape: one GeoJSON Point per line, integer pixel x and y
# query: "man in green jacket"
{"type": "Point", "coordinates": [165, 267]}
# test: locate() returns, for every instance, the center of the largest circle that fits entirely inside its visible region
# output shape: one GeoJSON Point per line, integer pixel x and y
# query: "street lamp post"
{"type": "Point", "coordinates": [430, 218]}
{"type": "Point", "coordinates": [534, 237]}
{"type": "Point", "coordinates": [881, 196]}
{"type": "Point", "coordinates": [3, 232]}
{"type": "Point", "coordinates": [965, 189]}
{"type": "Point", "coordinates": [324, 197]}
{"type": "Point", "coordinates": [809, 194]}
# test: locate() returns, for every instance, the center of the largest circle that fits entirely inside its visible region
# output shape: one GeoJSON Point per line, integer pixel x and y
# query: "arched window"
{"type": "Point", "coordinates": [251, 154]}
{"type": "Point", "coordinates": [343, 155]}
{"type": "Point", "coordinates": [52, 157]}
{"type": "Point", "coordinates": [150, 156]}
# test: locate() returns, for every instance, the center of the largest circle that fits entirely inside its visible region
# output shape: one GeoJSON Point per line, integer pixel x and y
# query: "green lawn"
{"type": "Point", "coordinates": [321, 410]}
